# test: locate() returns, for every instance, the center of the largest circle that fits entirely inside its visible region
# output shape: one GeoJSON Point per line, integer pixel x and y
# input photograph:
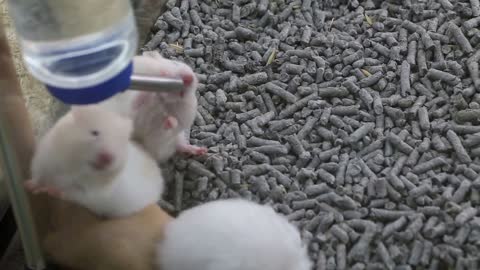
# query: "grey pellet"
{"type": "Point", "coordinates": [331, 263]}
{"type": "Point", "coordinates": [306, 35]}
{"type": "Point", "coordinates": [371, 80]}
{"type": "Point", "coordinates": [340, 176]}
{"type": "Point", "coordinates": [412, 159]}
{"type": "Point", "coordinates": [423, 118]}
{"type": "Point", "coordinates": [462, 234]}
{"type": "Point", "coordinates": [179, 177]}
{"type": "Point", "coordinates": [345, 110]}
{"type": "Point", "coordinates": [383, 214]}
{"type": "Point", "coordinates": [200, 169]}
{"type": "Point", "coordinates": [360, 132]}
{"type": "Point", "coordinates": [296, 215]}
{"type": "Point", "coordinates": [405, 78]}
{"type": "Point", "coordinates": [305, 204]}
{"type": "Point", "coordinates": [297, 147]}
{"type": "Point", "coordinates": [462, 41]}
{"type": "Point", "coordinates": [420, 190]}
{"type": "Point", "coordinates": [235, 177]}
{"type": "Point", "coordinates": [328, 154]}
{"type": "Point", "coordinates": [472, 140]}
{"type": "Point", "coordinates": [398, 143]}
{"type": "Point", "coordinates": [242, 117]}
{"type": "Point", "coordinates": [426, 253]}
{"type": "Point", "coordinates": [412, 52]}
{"type": "Point", "coordinates": [412, 229]}
{"type": "Point", "coordinates": [372, 147]}
{"type": "Point", "coordinates": [351, 86]}
{"type": "Point", "coordinates": [461, 191]}
{"type": "Point", "coordinates": [359, 251]}
{"type": "Point", "coordinates": [381, 49]}
{"type": "Point", "coordinates": [255, 79]}
{"type": "Point", "coordinates": [294, 69]}
{"type": "Point", "coordinates": [366, 97]}
{"type": "Point", "coordinates": [291, 109]}
{"type": "Point", "coordinates": [385, 256]}
{"type": "Point", "coordinates": [272, 149]}
{"type": "Point", "coordinates": [446, 77]}
{"type": "Point", "coordinates": [467, 115]}
{"type": "Point", "coordinates": [394, 226]}
{"type": "Point", "coordinates": [256, 141]}
{"type": "Point", "coordinates": [325, 117]}
{"type": "Point", "coordinates": [235, 106]}
{"type": "Point", "coordinates": [245, 33]}
{"type": "Point", "coordinates": [307, 128]}
{"type": "Point", "coordinates": [341, 257]}
{"type": "Point", "coordinates": [339, 233]}
{"type": "Point", "coordinates": [416, 253]}
{"type": "Point", "coordinates": [353, 57]}
{"type": "Point", "coordinates": [196, 20]}
{"type": "Point", "coordinates": [278, 125]}
{"type": "Point", "coordinates": [462, 154]}
{"type": "Point", "coordinates": [321, 262]}
{"type": "Point", "coordinates": [156, 40]}
{"type": "Point", "coordinates": [331, 92]}
{"type": "Point", "coordinates": [467, 214]}
{"type": "Point", "coordinates": [259, 169]}
{"type": "Point", "coordinates": [276, 90]}
{"type": "Point", "coordinates": [258, 157]}
{"type": "Point", "coordinates": [236, 13]}
{"type": "Point", "coordinates": [421, 60]}
{"type": "Point", "coordinates": [173, 21]}
{"type": "Point", "coordinates": [326, 176]}
{"type": "Point", "coordinates": [318, 189]}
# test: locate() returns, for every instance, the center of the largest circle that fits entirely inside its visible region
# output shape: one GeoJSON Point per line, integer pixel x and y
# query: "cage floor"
{"type": "Point", "coordinates": [358, 120]}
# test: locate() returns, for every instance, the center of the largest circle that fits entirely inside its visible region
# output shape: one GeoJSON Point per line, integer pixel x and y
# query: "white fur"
{"type": "Point", "coordinates": [231, 235]}
{"type": "Point", "coordinates": [149, 117]}
{"type": "Point", "coordinates": [139, 184]}
{"type": "Point", "coordinates": [122, 103]}
{"type": "Point", "coordinates": [64, 156]}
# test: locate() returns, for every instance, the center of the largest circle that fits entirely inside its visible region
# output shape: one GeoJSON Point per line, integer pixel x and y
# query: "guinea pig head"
{"type": "Point", "coordinates": [100, 139]}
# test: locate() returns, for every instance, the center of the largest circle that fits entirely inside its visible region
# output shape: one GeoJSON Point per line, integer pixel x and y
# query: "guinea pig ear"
{"type": "Point", "coordinates": [76, 112]}
{"type": "Point", "coordinates": [82, 112]}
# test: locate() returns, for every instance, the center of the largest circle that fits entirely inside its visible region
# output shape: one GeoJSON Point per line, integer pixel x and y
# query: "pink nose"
{"type": "Point", "coordinates": [187, 79]}
{"type": "Point", "coordinates": [103, 160]}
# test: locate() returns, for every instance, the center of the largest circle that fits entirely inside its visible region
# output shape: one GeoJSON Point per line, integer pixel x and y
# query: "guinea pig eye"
{"type": "Point", "coordinates": [95, 133]}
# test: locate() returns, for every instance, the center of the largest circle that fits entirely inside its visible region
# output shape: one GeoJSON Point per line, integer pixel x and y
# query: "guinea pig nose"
{"type": "Point", "coordinates": [187, 79]}
{"type": "Point", "coordinates": [103, 160]}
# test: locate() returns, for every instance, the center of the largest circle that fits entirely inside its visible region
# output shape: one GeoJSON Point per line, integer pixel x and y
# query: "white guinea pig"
{"type": "Point", "coordinates": [87, 158]}
{"type": "Point", "coordinates": [231, 234]}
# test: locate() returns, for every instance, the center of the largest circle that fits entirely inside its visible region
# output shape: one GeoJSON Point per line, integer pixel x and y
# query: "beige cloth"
{"type": "Point", "coordinates": [78, 240]}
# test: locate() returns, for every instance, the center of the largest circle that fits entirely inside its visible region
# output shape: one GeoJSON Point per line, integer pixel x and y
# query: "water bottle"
{"type": "Point", "coordinates": [81, 50]}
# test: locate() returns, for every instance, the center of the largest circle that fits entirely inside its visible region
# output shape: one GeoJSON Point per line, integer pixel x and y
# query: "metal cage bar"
{"type": "Point", "coordinates": [16, 147]}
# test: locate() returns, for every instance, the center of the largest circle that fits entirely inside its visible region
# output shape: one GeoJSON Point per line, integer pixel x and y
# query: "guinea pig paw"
{"type": "Point", "coordinates": [170, 122]}
{"type": "Point", "coordinates": [187, 79]}
{"type": "Point", "coordinates": [194, 150]}
{"type": "Point", "coordinates": [30, 186]}
{"type": "Point", "coordinates": [34, 188]}
{"type": "Point", "coordinates": [51, 191]}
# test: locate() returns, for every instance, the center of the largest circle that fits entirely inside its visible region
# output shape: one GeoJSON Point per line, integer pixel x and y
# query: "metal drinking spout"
{"type": "Point", "coordinates": [156, 84]}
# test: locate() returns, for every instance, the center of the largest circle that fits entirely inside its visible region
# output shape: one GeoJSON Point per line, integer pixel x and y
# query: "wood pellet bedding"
{"type": "Point", "coordinates": [358, 120]}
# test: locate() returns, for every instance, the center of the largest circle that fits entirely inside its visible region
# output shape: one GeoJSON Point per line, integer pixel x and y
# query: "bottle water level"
{"type": "Point", "coordinates": [83, 61]}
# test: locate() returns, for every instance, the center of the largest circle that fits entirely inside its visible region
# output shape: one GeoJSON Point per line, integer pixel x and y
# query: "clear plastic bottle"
{"type": "Point", "coordinates": [82, 50]}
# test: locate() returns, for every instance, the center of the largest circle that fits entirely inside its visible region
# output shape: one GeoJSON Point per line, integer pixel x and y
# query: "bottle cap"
{"type": "Point", "coordinates": [95, 93]}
